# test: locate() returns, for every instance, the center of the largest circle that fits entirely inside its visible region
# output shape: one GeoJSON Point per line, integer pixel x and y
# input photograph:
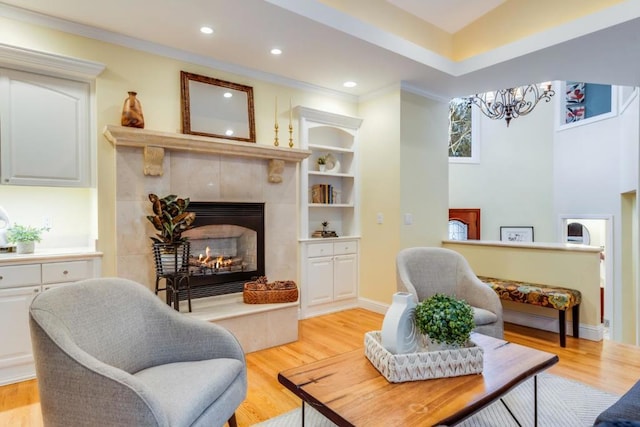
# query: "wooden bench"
{"type": "Point", "coordinates": [561, 299]}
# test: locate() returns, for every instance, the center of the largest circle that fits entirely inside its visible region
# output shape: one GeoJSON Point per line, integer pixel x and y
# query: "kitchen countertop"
{"type": "Point", "coordinates": [49, 255]}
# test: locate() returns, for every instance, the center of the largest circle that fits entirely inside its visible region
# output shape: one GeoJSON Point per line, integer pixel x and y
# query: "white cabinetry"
{"type": "Point", "coordinates": [44, 130]}
{"type": "Point", "coordinates": [19, 284]}
{"type": "Point", "coordinates": [329, 265]}
{"type": "Point", "coordinates": [330, 276]}
{"type": "Point", "coordinates": [16, 358]}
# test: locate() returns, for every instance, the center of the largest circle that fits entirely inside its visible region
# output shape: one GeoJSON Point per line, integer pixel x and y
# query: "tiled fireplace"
{"type": "Point", "coordinates": [203, 177]}
{"type": "Point", "coordinates": [212, 178]}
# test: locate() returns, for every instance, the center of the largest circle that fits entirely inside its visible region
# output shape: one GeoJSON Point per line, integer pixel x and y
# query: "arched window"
{"type": "Point", "coordinates": [457, 230]}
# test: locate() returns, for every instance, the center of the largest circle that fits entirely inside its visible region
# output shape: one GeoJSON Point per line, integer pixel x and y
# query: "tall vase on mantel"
{"type": "Point", "coordinates": [132, 112]}
{"type": "Point", "coordinates": [399, 333]}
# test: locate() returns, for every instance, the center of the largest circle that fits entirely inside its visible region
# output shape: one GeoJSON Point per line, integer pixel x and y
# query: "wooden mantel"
{"type": "Point", "coordinates": [154, 143]}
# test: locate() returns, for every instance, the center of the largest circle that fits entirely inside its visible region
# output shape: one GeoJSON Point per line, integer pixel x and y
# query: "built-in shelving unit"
{"type": "Point", "coordinates": [336, 189]}
{"type": "Point", "coordinates": [329, 265]}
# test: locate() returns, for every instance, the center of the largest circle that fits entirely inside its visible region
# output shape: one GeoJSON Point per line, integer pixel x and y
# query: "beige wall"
{"type": "Point", "coordinates": [379, 141]}
{"type": "Point", "coordinates": [575, 269]}
{"type": "Point", "coordinates": [419, 187]}
{"type": "Point", "coordinates": [629, 291]}
{"type": "Point", "coordinates": [424, 193]}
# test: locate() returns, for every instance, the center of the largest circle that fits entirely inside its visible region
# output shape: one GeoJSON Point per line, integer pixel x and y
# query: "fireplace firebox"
{"type": "Point", "coordinates": [227, 247]}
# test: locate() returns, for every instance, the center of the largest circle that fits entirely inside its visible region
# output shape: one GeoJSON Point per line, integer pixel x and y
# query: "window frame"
{"type": "Point", "coordinates": [560, 106]}
{"type": "Point", "coordinates": [475, 140]}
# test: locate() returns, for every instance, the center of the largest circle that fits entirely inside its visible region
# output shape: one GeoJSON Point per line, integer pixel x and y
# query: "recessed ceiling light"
{"type": "Point", "coordinates": [206, 30]}
{"type": "Point", "coordinates": [227, 95]}
{"type": "Point", "coordinates": [228, 132]}
{"type": "Point", "coordinates": [349, 84]}
{"type": "Point", "coordinates": [276, 51]}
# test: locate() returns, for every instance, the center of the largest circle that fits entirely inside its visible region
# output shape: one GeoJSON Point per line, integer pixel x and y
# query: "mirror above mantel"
{"type": "Point", "coordinates": [216, 108]}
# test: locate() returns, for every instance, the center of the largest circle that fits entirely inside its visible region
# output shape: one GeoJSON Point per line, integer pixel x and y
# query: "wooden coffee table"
{"type": "Point", "coordinates": [350, 391]}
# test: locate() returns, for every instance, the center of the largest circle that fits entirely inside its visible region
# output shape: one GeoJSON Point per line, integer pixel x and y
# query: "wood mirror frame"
{"type": "Point", "coordinates": [217, 108]}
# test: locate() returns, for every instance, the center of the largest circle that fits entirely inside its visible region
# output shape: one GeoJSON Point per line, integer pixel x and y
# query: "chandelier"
{"type": "Point", "coordinates": [511, 103]}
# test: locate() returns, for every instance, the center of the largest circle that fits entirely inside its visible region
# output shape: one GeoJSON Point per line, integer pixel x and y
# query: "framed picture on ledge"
{"type": "Point", "coordinates": [516, 234]}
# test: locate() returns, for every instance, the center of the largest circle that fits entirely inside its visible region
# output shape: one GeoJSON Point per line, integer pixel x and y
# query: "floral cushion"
{"type": "Point", "coordinates": [531, 293]}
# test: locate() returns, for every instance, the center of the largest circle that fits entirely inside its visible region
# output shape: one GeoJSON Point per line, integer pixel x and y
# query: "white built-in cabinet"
{"type": "Point", "coordinates": [44, 130]}
{"type": "Point", "coordinates": [20, 282]}
{"type": "Point", "coordinates": [332, 272]}
{"type": "Point", "coordinates": [47, 125]}
{"type": "Point", "coordinates": [329, 265]}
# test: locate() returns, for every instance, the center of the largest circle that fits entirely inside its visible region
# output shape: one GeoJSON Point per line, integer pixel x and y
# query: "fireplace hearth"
{"type": "Point", "coordinates": [227, 247]}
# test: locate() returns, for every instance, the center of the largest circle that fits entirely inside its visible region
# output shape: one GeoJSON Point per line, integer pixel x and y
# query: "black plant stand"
{"type": "Point", "coordinates": [172, 265]}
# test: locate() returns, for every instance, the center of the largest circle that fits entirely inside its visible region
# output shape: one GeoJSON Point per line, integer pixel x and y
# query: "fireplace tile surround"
{"type": "Point", "coordinates": [202, 178]}
{"type": "Point", "coordinates": [212, 177]}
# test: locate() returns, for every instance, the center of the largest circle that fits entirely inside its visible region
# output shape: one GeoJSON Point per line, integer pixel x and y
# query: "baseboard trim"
{"type": "Point", "coordinates": [545, 323]}
{"type": "Point", "coordinates": [328, 308]}
{"type": "Point", "coordinates": [588, 332]}
{"type": "Point", "coordinates": [371, 305]}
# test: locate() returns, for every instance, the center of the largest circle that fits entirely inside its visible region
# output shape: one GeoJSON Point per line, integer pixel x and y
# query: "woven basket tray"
{"type": "Point", "coordinates": [270, 293]}
{"type": "Point", "coordinates": [397, 368]}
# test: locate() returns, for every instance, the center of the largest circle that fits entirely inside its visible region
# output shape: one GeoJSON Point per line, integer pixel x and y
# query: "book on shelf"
{"type": "Point", "coordinates": [322, 193]}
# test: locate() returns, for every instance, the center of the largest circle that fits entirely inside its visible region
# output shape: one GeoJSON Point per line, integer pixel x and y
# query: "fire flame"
{"type": "Point", "coordinates": [217, 262]}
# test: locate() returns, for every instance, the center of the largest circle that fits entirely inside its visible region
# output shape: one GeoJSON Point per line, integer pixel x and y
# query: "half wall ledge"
{"type": "Point", "coordinates": [154, 143]}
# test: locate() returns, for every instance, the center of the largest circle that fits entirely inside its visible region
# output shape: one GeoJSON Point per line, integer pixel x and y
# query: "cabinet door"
{"type": "Point", "coordinates": [15, 335]}
{"type": "Point", "coordinates": [43, 118]}
{"type": "Point", "coordinates": [345, 276]}
{"type": "Point", "coordinates": [319, 280]}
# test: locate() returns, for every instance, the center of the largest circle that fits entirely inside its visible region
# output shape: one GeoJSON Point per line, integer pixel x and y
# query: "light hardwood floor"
{"type": "Point", "coordinates": [605, 365]}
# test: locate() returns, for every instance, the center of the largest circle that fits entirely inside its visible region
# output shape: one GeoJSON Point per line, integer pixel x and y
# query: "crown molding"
{"type": "Point", "coordinates": [61, 66]}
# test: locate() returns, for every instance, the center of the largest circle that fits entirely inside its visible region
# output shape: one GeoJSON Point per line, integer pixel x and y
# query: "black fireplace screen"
{"type": "Point", "coordinates": [227, 247]}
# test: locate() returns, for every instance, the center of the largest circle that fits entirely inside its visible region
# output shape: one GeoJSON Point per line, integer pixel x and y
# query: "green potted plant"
{"type": "Point", "coordinates": [170, 219]}
{"type": "Point", "coordinates": [25, 237]}
{"type": "Point", "coordinates": [322, 163]}
{"type": "Point", "coordinates": [446, 320]}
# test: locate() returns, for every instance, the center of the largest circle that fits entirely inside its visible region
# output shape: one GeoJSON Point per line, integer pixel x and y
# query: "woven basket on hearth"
{"type": "Point", "coordinates": [262, 292]}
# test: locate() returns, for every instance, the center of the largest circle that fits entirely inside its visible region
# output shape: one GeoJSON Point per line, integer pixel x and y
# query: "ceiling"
{"type": "Point", "coordinates": [323, 46]}
{"type": "Point", "coordinates": [449, 15]}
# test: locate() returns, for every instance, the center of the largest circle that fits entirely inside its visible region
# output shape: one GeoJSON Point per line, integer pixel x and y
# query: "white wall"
{"type": "Point", "coordinates": [586, 162]}
{"type": "Point", "coordinates": [513, 183]}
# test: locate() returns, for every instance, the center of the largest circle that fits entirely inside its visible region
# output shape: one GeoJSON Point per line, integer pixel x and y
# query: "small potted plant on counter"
{"type": "Point", "coordinates": [25, 237]}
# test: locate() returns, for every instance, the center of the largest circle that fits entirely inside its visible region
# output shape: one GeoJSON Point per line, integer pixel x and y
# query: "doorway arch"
{"type": "Point", "coordinates": [597, 237]}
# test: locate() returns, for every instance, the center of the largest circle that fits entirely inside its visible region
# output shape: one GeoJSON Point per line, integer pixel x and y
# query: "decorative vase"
{"type": "Point", "coordinates": [25, 247]}
{"type": "Point", "coordinates": [322, 168]}
{"type": "Point", "coordinates": [399, 333]}
{"type": "Point", "coordinates": [132, 112]}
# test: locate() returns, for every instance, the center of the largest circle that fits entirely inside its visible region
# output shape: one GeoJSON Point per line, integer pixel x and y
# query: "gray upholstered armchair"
{"type": "Point", "coordinates": [108, 352]}
{"type": "Point", "coordinates": [427, 271]}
